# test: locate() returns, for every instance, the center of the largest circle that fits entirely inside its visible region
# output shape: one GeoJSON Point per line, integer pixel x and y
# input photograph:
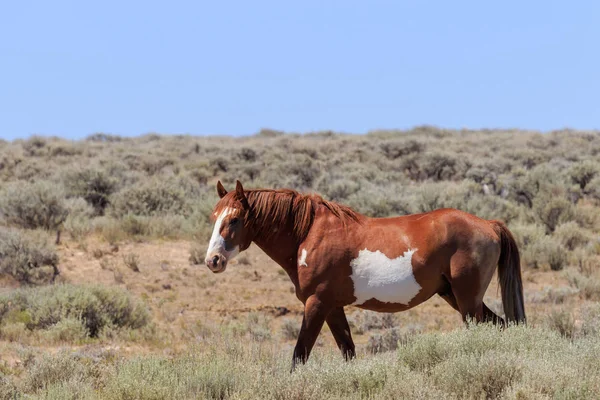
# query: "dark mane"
{"type": "Point", "coordinates": [272, 208]}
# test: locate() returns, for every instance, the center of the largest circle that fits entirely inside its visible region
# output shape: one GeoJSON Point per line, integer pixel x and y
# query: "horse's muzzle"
{"type": "Point", "coordinates": [216, 263]}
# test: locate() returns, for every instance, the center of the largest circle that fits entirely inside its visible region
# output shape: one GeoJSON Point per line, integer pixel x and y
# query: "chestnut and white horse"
{"type": "Point", "coordinates": [337, 257]}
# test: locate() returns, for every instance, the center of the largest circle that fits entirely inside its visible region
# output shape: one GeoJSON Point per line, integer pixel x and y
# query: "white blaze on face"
{"type": "Point", "coordinates": [378, 277]}
{"type": "Point", "coordinates": [302, 259]}
{"type": "Point", "coordinates": [217, 243]}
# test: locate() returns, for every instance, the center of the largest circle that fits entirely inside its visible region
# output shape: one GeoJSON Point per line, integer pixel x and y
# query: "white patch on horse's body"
{"type": "Point", "coordinates": [217, 243]}
{"type": "Point", "coordinates": [378, 277]}
{"type": "Point", "coordinates": [302, 259]}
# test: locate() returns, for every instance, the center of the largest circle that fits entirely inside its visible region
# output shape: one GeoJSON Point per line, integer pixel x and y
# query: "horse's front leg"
{"type": "Point", "coordinates": [338, 324]}
{"type": "Point", "coordinates": [315, 313]}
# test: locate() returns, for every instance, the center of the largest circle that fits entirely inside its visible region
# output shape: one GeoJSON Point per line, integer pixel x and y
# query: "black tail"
{"type": "Point", "coordinates": [509, 275]}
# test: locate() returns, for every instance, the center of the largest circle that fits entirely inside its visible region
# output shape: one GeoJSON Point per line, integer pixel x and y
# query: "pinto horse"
{"type": "Point", "coordinates": [337, 257]}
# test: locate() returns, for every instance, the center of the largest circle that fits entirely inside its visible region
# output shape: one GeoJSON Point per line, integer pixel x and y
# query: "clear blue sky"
{"type": "Point", "coordinates": [131, 67]}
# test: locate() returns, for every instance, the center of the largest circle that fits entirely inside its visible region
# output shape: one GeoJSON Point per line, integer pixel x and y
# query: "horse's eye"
{"type": "Point", "coordinates": [234, 221]}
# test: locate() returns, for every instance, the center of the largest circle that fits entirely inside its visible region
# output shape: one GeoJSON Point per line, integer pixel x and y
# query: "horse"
{"type": "Point", "coordinates": [336, 257]}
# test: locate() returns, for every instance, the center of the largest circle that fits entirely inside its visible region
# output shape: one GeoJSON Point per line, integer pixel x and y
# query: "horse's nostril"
{"type": "Point", "coordinates": [215, 260]}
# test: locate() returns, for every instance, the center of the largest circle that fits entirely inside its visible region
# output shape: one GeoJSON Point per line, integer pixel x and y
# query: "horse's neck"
{"type": "Point", "coordinates": [282, 247]}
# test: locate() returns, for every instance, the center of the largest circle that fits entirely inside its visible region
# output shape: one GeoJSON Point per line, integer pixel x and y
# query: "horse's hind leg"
{"type": "Point", "coordinates": [469, 309]}
{"type": "Point", "coordinates": [338, 324]}
{"type": "Point", "coordinates": [469, 280]}
{"type": "Point", "coordinates": [490, 316]}
{"type": "Point", "coordinates": [446, 294]}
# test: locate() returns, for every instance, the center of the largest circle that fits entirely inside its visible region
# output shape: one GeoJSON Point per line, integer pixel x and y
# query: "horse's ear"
{"type": "Point", "coordinates": [240, 192]}
{"type": "Point", "coordinates": [221, 190]}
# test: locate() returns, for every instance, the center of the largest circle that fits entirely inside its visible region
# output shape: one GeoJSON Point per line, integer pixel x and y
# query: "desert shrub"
{"type": "Point", "coordinates": [365, 321]}
{"type": "Point", "coordinates": [441, 166]}
{"type": "Point", "coordinates": [258, 326]}
{"type": "Point", "coordinates": [541, 179]}
{"type": "Point", "coordinates": [491, 207]}
{"type": "Point", "coordinates": [197, 253]}
{"type": "Point", "coordinates": [34, 145]}
{"type": "Point", "coordinates": [479, 362]}
{"type": "Point", "coordinates": [381, 201]}
{"type": "Point", "coordinates": [266, 132]}
{"type": "Point", "coordinates": [583, 172]}
{"type": "Point", "coordinates": [571, 235]}
{"type": "Point", "coordinates": [546, 251]}
{"type": "Point", "coordinates": [93, 184]}
{"type": "Point", "coordinates": [8, 390]}
{"type": "Point", "coordinates": [337, 189]}
{"type": "Point", "coordinates": [593, 188]}
{"type": "Point", "coordinates": [290, 329]}
{"type": "Point", "coordinates": [154, 197]}
{"type": "Point", "coordinates": [132, 261]}
{"type": "Point", "coordinates": [423, 353]}
{"type": "Point", "coordinates": [394, 149]}
{"type": "Point", "coordinates": [554, 295]}
{"type": "Point", "coordinates": [432, 196]}
{"type": "Point", "coordinates": [27, 256]}
{"type": "Point", "coordinates": [109, 229]}
{"type": "Point", "coordinates": [96, 307]}
{"type": "Point", "coordinates": [588, 286]}
{"type": "Point", "coordinates": [587, 216]}
{"type": "Point", "coordinates": [78, 222]}
{"type": "Point", "coordinates": [382, 342]}
{"type": "Point", "coordinates": [563, 322]}
{"type": "Point", "coordinates": [299, 171]}
{"type": "Point", "coordinates": [473, 377]}
{"type": "Point", "coordinates": [33, 205]}
{"type": "Point", "coordinates": [64, 368]}
{"type": "Point", "coordinates": [551, 210]}
{"type": "Point", "coordinates": [103, 137]}
{"type": "Point", "coordinates": [590, 318]}
{"type": "Point", "coordinates": [69, 330]}
{"type": "Point", "coordinates": [527, 234]}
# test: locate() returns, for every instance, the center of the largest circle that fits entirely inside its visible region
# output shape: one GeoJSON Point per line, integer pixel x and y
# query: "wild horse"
{"type": "Point", "coordinates": [336, 257]}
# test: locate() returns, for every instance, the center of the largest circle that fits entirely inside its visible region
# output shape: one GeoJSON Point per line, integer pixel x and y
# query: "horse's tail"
{"type": "Point", "coordinates": [509, 275]}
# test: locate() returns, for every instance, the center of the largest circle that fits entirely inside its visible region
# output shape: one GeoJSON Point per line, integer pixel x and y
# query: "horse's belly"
{"type": "Point", "coordinates": [384, 284]}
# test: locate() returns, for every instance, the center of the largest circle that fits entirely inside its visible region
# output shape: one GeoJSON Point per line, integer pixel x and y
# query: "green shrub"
{"type": "Point", "coordinates": [93, 184]}
{"type": "Point", "coordinates": [474, 377]}
{"type": "Point", "coordinates": [70, 330]}
{"type": "Point", "coordinates": [78, 223]}
{"type": "Point", "coordinates": [394, 149]}
{"type": "Point", "coordinates": [155, 197]}
{"type": "Point", "coordinates": [49, 370]}
{"type": "Point", "coordinates": [386, 341]}
{"type": "Point", "coordinates": [27, 256]}
{"type": "Point", "coordinates": [8, 390]}
{"type": "Point", "coordinates": [571, 235]}
{"type": "Point", "coordinates": [590, 318]}
{"type": "Point", "coordinates": [582, 173]}
{"type": "Point", "coordinates": [96, 307]}
{"type": "Point", "coordinates": [290, 329]}
{"type": "Point", "coordinates": [546, 251]}
{"type": "Point", "coordinates": [365, 321]}
{"type": "Point", "coordinates": [589, 286]}
{"type": "Point", "coordinates": [552, 210]}
{"type": "Point", "coordinates": [563, 322]}
{"type": "Point", "coordinates": [33, 205]}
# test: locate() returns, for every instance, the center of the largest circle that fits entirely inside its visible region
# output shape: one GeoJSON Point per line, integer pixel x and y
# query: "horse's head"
{"type": "Point", "coordinates": [231, 234]}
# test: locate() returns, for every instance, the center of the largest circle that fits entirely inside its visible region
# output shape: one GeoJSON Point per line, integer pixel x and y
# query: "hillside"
{"type": "Point", "coordinates": [125, 290]}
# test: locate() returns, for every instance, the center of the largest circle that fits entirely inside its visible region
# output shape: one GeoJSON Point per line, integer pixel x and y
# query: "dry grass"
{"type": "Point", "coordinates": [480, 362]}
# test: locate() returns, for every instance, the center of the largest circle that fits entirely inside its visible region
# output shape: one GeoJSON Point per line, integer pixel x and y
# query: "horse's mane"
{"type": "Point", "coordinates": [273, 208]}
